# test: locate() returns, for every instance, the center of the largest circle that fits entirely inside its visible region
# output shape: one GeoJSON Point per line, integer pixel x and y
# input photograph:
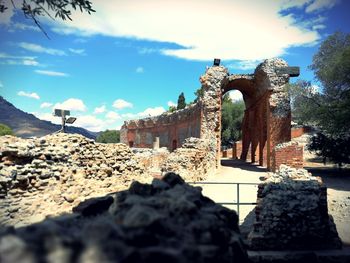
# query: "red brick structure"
{"type": "Point", "coordinates": [289, 153]}
{"type": "Point", "coordinates": [266, 123]}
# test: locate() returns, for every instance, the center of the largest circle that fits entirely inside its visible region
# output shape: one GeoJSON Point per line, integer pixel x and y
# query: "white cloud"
{"type": "Point", "coordinates": [71, 104]}
{"type": "Point", "coordinates": [90, 122]}
{"type": "Point", "coordinates": [258, 28]}
{"type": "Point", "coordinates": [1, 85]}
{"type": "Point", "coordinates": [151, 112]}
{"type": "Point", "coordinates": [22, 26]}
{"type": "Point", "coordinates": [45, 105]}
{"type": "Point", "coordinates": [99, 110]}
{"type": "Point", "coordinates": [47, 117]}
{"type": "Point", "coordinates": [244, 65]}
{"type": "Point", "coordinates": [28, 62]}
{"type": "Point", "coordinates": [77, 51]}
{"type": "Point", "coordinates": [235, 95]}
{"type": "Point", "coordinates": [52, 73]}
{"type": "Point", "coordinates": [139, 70]}
{"type": "Point", "coordinates": [80, 40]}
{"type": "Point", "coordinates": [145, 51]}
{"type": "Point", "coordinates": [113, 115]}
{"type": "Point", "coordinates": [129, 116]}
{"type": "Point", "coordinates": [8, 59]}
{"type": "Point", "coordinates": [121, 104]}
{"type": "Point", "coordinates": [32, 95]}
{"type": "Point", "coordinates": [5, 17]}
{"type": "Point", "coordinates": [318, 27]}
{"type": "Point", "coordinates": [318, 5]}
{"type": "Point", "coordinates": [40, 49]}
{"type": "Point", "coordinates": [171, 104]}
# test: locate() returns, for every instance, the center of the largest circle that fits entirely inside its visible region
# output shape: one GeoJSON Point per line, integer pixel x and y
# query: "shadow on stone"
{"type": "Point", "coordinates": [167, 221]}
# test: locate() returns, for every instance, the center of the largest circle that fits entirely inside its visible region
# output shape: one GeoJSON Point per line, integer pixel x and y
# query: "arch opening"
{"type": "Point", "coordinates": [251, 146]}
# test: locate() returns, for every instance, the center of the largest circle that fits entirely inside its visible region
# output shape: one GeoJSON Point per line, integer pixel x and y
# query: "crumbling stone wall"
{"type": "Point", "coordinates": [292, 213]}
{"type": "Point", "coordinates": [193, 161]}
{"type": "Point", "coordinates": [266, 121]}
{"type": "Point", "coordinates": [51, 174]}
{"type": "Point", "coordinates": [166, 221]}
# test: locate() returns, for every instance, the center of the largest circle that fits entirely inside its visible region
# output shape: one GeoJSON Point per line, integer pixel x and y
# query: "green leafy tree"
{"type": "Point", "coordinates": [231, 120]}
{"type": "Point", "coordinates": [329, 109]}
{"type": "Point", "coordinates": [331, 65]}
{"type": "Point", "coordinates": [109, 136]}
{"type": "Point", "coordinates": [336, 150]}
{"type": "Point", "coordinates": [199, 93]}
{"type": "Point", "coordinates": [181, 102]}
{"type": "Point", "coordinates": [33, 9]}
{"type": "Point", "coordinates": [172, 109]}
{"type": "Point", "coordinates": [304, 99]}
{"type": "Point", "coordinates": [5, 130]}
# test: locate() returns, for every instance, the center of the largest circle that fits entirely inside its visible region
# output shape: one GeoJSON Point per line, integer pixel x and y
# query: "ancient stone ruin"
{"type": "Point", "coordinates": [52, 174]}
{"type": "Point", "coordinates": [266, 123]}
{"type": "Point", "coordinates": [166, 221]}
{"type": "Point", "coordinates": [292, 213]}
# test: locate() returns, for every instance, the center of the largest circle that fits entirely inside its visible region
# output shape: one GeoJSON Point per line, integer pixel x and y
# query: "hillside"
{"type": "Point", "coordinates": [27, 125]}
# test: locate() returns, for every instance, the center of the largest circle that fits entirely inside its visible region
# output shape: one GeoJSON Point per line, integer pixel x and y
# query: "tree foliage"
{"type": "Point", "coordinates": [328, 109]}
{"type": "Point", "coordinates": [231, 120]}
{"type": "Point", "coordinates": [172, 109]}
{"type": "Point", "coordinates": [336, 150]}
{"type": "Point", "coordinates": [5, 130]}
{"type": "Point", "coordinates": [109, 136]}
{"type": "Point", "coordinates": [62, 9]}
{"type": "Point", "coordinates": [181, 101]}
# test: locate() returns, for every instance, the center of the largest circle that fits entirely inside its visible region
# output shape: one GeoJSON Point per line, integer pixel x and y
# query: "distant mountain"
{"type": "Point", "coordinates": [26, 125]}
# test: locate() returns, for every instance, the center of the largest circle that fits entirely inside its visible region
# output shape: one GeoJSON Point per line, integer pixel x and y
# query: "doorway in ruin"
{"type": "Point", "coordinates": [267, 116]}
{"type": "Point", "coordinates": [232, 112]}
{"type": "Point", "coordinates": [250, 144]}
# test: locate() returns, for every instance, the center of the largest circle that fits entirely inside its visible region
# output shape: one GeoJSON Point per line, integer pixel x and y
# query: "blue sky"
{"type": "Point", "coordinates": [132, 58]}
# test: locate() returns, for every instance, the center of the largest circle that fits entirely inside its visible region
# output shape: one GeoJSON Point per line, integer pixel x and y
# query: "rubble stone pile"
{"type": "Point", "coordinates": [166, 221]}
{"type": "Point", "coordinates": [292, 213]}
{"type": "Point", "coordinates": [49, 175]}
{"type": "Point", "coordinates": [152, 159]}
{"type": "Point", "coordinates": [194, 161]}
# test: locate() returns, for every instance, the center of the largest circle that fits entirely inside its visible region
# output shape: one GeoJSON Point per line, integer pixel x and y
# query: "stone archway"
{"type": "Point", "coordinates": [267, 116]}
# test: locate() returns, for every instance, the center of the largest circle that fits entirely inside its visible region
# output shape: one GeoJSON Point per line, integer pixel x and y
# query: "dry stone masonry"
{"type": "Point", "coordinates": [193, 161]}
{"type": "Point", "coordinates": [292, 213]}
{"type": "Point", "coordinates": [166, 221]}
{"type": "Point", "coordinates": [51, 174]}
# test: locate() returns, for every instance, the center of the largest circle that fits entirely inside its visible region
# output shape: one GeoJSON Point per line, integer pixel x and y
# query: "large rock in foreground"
{"type": "Point", "coordinates": [167, 221]}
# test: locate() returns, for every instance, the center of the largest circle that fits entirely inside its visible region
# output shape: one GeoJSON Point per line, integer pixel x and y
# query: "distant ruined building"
{"type": "Point", "coordinates": [266, 128]}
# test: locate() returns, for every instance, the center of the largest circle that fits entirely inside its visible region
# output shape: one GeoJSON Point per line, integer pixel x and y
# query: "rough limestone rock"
{"type": "Point", "coordinates": [50, 175]}
{"type": "Point", "coordinates": [167, 221]}
{"type": "Point", "coordinates": [292, 213]}
{"type": "Point", "coordinates": [193, 161]}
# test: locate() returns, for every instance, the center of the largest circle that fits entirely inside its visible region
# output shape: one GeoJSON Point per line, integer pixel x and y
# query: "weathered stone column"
{"type": "Point", "coordinates": [212, 82]}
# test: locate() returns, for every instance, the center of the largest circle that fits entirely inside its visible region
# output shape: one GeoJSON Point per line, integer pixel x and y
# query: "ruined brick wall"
{"type": "Point", "coordinates": [171, 128]}
{"type": "Point", "coordinates": [290, 153]}
{"type": "Point", "coordinates": [297, 132]}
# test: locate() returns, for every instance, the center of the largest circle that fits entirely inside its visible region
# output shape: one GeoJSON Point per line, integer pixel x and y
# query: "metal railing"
{"type": "Point", "coordinates": [237, 203]}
